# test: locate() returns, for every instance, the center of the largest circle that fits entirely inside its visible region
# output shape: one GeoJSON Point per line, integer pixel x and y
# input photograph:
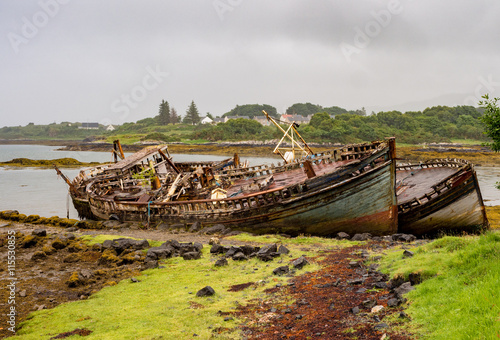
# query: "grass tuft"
{"type": "Point", "coordinates": [459, 298]}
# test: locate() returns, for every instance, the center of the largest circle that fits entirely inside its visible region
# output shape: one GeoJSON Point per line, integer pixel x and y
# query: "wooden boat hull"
{"type": "Point", "coordinates": [456, 206]}
{"type": "Point", "coordinates": [363, 203]}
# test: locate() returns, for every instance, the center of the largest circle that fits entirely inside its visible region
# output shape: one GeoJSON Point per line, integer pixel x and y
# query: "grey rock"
{"type": "Point", "coordinates": [355, 264]}
{"type": "Point", "coordinates": [149, 264]}
{"type": "Point", "coordinates": [216, 229]}
{"type": "Point", "coordinates": [163, 227]}
{"type": "Point", "coordinates": [239, 256]}
{"type": "Point", "coordinates": [361, 237]}
{"type": "Point", "coordinates": [342, 236]}
{"type": "Point", "coordinates": [283, 250]}
{"type": "Point", "coordinates": [403, 289]}
{"type": "Point", "coordinates": [161, 252]}
{"type": "Point", "coordinates": [407, 254]}
{"type": "Point", "coordinates": [381, 326]}
{"type": "Point", "coordinates": [281, 270]}
{"type": "Point", "coordinates": [191, 255]}
{"type": "Point", "coordinates": [86, 274]}
{"type": "Point", "coordinates": [394, 302]}
{"type": "Point", "coordinates": [300, 262]}
{"type": "Point", "coordinates": [403, 237]}
{"type": "Point", "coordinates": [39, 232]}
{"type": "Point", "coordinates": [221, 262]}
{"type": "Point", "coordinates": [218, 249]}
{"type": "Point", "coordinates": [355, 310]}
{"type": "Point", "coordinates": [206, 291]}
{"type": "Point", "coordinates": [195, 227]}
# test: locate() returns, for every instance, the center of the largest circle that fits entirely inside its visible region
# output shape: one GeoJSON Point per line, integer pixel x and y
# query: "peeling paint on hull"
{"type": "Point", "coordinates": [459, 208]}
{"type": "Point", "coordinates": [365, 203]}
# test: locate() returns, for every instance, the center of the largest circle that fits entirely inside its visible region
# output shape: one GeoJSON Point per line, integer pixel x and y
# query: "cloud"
{"type": "Point", "coordinates": [90, 53]}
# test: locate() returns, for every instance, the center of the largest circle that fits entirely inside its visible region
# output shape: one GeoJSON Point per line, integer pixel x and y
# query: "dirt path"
{"type": "Point", "coordinates": [338, 302]}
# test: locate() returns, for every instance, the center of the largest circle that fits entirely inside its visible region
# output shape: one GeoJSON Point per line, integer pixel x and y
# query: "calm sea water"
{"type": "Point", "coordinates": [43, 192]}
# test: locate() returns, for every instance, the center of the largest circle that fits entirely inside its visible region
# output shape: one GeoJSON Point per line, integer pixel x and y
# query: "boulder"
{"type": "Point", "coordinates": [218, 249]}
{"type": "Point", "coordinates": [283, 250]}
{"type": "Point", "coordinates": [248, 250]}
{"type": "Point", "coordinates": [38, 255]}
{"type": "Point", "coordinates": [361, 237]}
{"type": "Point", "coordinates": [221, 262]}
{"type": "Point", "coordinates": [29, 241]}
{"type": "Point", "coordinates": [300, 262]}
{"type": "Point", "coordinates": [394, 302]}
{"type": "Point", "coordinates": [268, 252]}
{"type": "Point", "coordinates": [408, 253]}
{"type": "Point", "coordinates": [72, 258]}
{"type": "Point", "coordinates": [281, 270]}
{"type": "Point", "coordinates": [216, 229]}
{"type": "Point", "coordinates": [403, 237]}
{"type": "Point", "coordinates": [163, 227]}
{"type": "Point", "coordinates": [233, 250]}
{"type": "Point", "coordinates": [192, 255]}
{"type": "Point", "coordinates": [39, 232]}
{"type": "Point", "coordinates": [206, 291]}
{"type": "Point", "coordinates": [214, 240]}
{"type": "Point", "coordinates": [156, 253]}
{"type": "Point", "coordinates": [195, 227]}
{"type": "Point", "coordinates": [239, 256]}
{"type": "Point", "coordinates": [403, 289]}
{"type": "Point", "coordinates": [342, 236]}
{"type": "Point", "coordinates": [60, 243]}
{"type": "Point", "coordinates": [149, 264]}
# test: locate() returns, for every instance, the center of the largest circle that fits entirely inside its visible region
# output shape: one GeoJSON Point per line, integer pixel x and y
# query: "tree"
{"type": "Point", "coordinates": [209, 115]}
{"type": "Point", "coordinates": [302, 109]}
{"type": "Point", "coordinates": [192, 115]}
{"type": "Point", "coordinates": [174, 117]}
{"type": "Point", "coordinates": [320, 120]}
{"type": "Point", "coordinates": [163, 117]}
{"type": "Point", "coordinates": [252, 110]}
{"type": "Point", "coordinates": [491, 120]}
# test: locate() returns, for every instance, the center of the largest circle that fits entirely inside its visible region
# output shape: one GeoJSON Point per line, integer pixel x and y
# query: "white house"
{"type": "Point", "coordinates": [110, 128]}
{"type": "Point", "coordinates": [206, 120]}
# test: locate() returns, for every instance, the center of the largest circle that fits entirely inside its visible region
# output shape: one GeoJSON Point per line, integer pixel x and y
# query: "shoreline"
{"type": "Point", "coordinates": [476, 154]}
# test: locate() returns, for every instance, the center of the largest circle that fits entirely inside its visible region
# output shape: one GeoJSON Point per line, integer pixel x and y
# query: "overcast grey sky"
{"type": "Point", "coordinates": [114, 61]}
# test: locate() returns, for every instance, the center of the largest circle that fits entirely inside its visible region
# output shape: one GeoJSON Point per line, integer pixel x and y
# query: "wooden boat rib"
{"type": "Point", "coordinates": [353, 190]}
{"type": "Point", "coordinates": [439, 195]}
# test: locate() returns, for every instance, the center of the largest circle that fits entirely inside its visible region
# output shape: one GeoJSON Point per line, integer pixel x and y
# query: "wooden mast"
{"type": "Point", "coordinates": [295, 139]}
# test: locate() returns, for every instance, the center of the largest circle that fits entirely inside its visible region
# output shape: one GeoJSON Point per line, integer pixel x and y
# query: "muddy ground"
{"type": "Point", "coordinates": [50, 268]}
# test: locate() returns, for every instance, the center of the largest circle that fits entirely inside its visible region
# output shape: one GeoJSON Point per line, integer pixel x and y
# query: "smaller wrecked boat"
{"type": "Point", "coordinates": [441, 195]}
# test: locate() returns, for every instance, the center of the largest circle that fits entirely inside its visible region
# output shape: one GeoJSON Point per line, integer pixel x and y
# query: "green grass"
{"type": "Point", "coordinates": [299, 240]}
{"type": "Point", "coordinates": [460, 298]}
{"type": "Point", "coordinates": [164, 304]}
